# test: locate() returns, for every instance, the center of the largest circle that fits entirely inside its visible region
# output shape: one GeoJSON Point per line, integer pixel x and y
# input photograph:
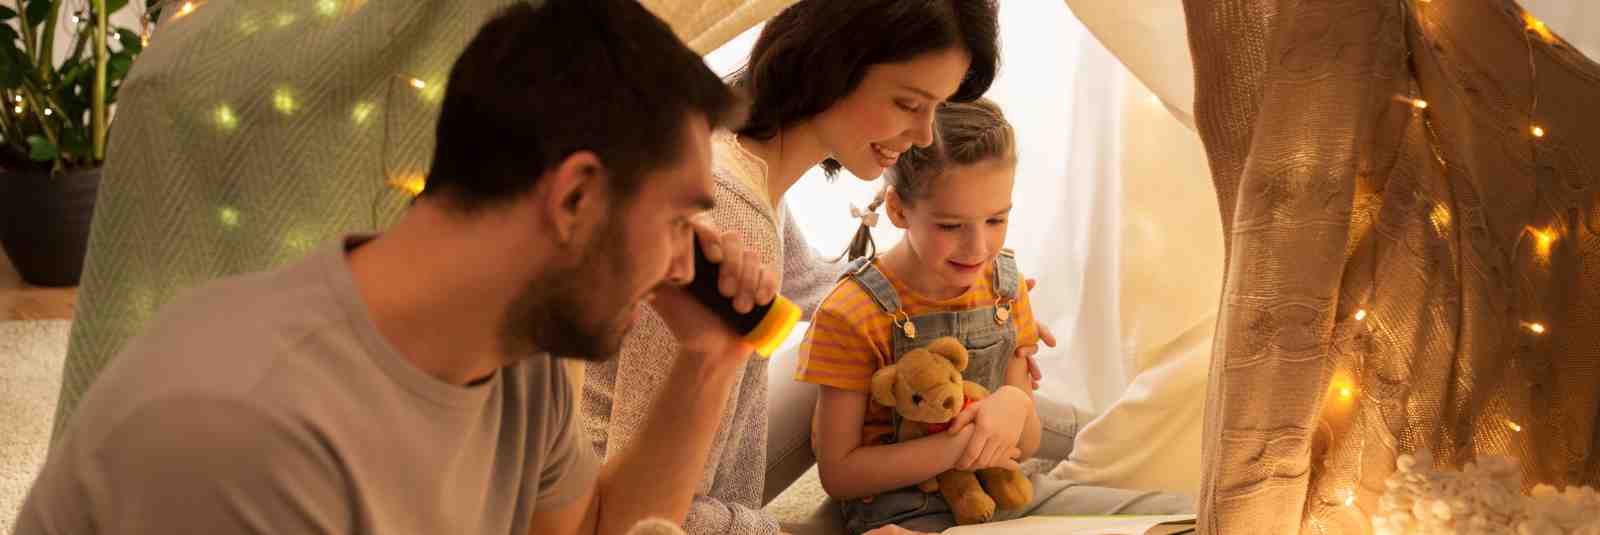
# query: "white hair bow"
{"type": "Point", "coordinates": [869, 218]}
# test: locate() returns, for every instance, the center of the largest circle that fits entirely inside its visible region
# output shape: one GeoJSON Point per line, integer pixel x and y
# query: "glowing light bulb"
{"type": "Point", "coordinates": [1350, 500]}
{"type": "Point", "coordinates": [225, 117]}
{"type": "Point", "coordinates": [47, 112]}
{"type": "Point", "coordinates": [418, 83]}
{"type": "Point", "coordinates": [1419, 104]}
{"type": "Point", "coordinates": [1345, 393]}
{"type": "Point", "coordinates": [1537, 26]}
{"type": "Point", "coordinates": [1538, 131]}
{"type": "Point", "coordinates": [188, 7]}
{"type": "Point", "coordinates": [1537, 328]}
{"type": "Point", "coordinates": [362, 111]}
{"type": "Point", "coordinates": [283, 99]}
{"type": "Point", "coordinates": [1513, 426]}
{"type": "Point", "coordinates": [1441, 218]}
{"type": "Point", "coordinates": [18, 99]}
{"type": "Point", "coordinates": [18, 109]}
{"type": "Point", "coordinates": [76, 19]}
{"type": "Point", "coordinates": [229, 216]}
{"type": "Point", "coordinates": [1361, 314]}
{"type": "Point", "coordinates": [412, 185]}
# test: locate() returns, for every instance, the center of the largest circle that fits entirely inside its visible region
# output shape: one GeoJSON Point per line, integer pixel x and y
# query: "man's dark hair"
{"type": "Point", "coordinates": [538, 84]}
{"type": "Point", "coordinates": [817, 51]}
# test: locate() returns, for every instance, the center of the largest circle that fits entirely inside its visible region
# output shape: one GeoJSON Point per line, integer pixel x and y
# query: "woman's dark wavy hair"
{"type": "Point", "coordinates": [817, 51]}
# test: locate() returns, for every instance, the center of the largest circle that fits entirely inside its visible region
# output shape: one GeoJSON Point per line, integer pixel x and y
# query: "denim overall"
{"type": "Point", "coordinates": [990, 336]}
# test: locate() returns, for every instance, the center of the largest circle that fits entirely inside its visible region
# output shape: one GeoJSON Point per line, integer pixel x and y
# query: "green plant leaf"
{"type": "Point", "coordinates": [113, 5]}
{"type": "Point", "coordinates": [130, 41]}
{"type": "Point", "coordinates": [7, 13]}
{"type": "Point", "coordinates": [38, 10]}
{"type": "Point", "coordinates": [10, 65]}
{"type": "Point", "coordinates": [75, 143]}
{"type": "Point", "coordinates": [118, 66]}
{"type": "Point", "coordinates": [41, 150]}
{"type": "Point", "coordinates": [8, 36]}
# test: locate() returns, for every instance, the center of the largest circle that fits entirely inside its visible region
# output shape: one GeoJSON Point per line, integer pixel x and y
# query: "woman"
{"type": "Point", "coordinates": [842, 84]}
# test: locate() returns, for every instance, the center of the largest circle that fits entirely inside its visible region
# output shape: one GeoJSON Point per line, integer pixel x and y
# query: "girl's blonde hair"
{"type": "Point", "coordinates": [963, 134]}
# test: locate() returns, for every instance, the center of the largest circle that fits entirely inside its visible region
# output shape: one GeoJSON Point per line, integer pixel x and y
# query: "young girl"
{"type": "Point", "coordinates": [949, 276]}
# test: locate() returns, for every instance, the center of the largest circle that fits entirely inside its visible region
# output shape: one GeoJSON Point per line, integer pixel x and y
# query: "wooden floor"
{"type": "Point", "coordinates": [18, 301]}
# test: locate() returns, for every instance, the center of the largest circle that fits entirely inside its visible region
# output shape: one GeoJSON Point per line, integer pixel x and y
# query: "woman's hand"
{"type": "Point", "coordinates": [997, 423]}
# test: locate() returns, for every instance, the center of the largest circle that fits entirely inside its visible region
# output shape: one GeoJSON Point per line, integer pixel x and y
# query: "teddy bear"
{"type": "Point", "coordinates": [926, 389]}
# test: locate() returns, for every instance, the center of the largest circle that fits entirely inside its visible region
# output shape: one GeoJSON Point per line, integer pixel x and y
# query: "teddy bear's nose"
{"type": "Point", "coordinates": [949, 404]}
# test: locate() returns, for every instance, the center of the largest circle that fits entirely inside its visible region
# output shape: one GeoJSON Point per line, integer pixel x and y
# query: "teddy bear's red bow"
{"type": "Point", "coordinates": [942, 427]}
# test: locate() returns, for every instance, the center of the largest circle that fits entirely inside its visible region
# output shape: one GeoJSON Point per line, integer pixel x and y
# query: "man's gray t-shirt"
{"type": "Point", "coordinates": [269, 403]}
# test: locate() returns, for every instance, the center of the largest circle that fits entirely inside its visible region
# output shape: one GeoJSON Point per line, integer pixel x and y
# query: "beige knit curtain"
{"type": "Point", "coordinates": [252, 130]}
{"type": "Point", "coordinates": [1399, 277]}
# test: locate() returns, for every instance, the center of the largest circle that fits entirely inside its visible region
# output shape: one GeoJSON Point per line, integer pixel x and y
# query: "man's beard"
{"type": "Point", "coordinates": [567, 312]}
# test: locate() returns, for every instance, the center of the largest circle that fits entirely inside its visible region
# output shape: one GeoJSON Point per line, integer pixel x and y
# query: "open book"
{"type": "Point", "coordinates": [1084, 525]}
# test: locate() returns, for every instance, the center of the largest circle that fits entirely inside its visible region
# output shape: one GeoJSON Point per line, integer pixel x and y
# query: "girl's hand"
{"type": "Point", "coordinates": [997, 427]}
{"type": "Point", "coordinates": [1027, 352]}
{"type": "Point", "coordinates": [1045, 336]}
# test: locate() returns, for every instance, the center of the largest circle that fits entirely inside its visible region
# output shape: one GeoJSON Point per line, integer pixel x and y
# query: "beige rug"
{"type": "Point", "coordinates": [31, 353]}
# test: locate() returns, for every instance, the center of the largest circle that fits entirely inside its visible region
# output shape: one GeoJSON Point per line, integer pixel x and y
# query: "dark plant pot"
{"type": "Point", "coordinates": [44, 222]}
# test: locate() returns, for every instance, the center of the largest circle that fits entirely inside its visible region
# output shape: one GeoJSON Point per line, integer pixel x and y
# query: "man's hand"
{"type": "Point", "coordinates": [997, 428]}
{"type": "Point", "coordinates": [743, 280]}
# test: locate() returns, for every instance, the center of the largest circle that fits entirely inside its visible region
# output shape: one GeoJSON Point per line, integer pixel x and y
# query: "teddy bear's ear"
{"type": "Point", "coordinates": [883, 385]}
{"type": "Point", "coordinates": [950, 348]}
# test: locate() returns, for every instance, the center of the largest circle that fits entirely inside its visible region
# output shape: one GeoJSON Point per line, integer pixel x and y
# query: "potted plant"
{"type": "Point", "coordinates": [53, 124]}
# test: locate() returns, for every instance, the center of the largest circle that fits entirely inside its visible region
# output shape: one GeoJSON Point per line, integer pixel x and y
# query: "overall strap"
{"type": "Point", "coordinates": [1006, 276]}
{"type": "Point", "coordinates": [1006, 279]}
{"type": "Point", "coordinates": [882, 292]}
{"type": "Point", "coordinates": [875, 283]}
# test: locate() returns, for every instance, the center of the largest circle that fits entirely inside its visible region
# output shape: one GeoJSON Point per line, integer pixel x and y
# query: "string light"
{"type": "Point", "coordinates": [1419, 104]}
{"type": "Point", "coordinates": [188, 7]}
{"type": "Point", "coordinates": [1544, 240]}
{"type": "Point", "coordinates": [225, 117]}
{"type": "Point", "coordinates": [412, 185]}
{"type": "Point", "coordinates": [418, 83]}
{"type": "Point", "coordinates": [1350, 500]}
{"type": "Point", "coordinates": [1536, 328]}
{"type": "Point", "coordinates": [1513, 426]}
{"type": "Point", "coordinates": [1538, 131]}
{"type": "Point", "coordinates": [18, 109]}
{"type": "Point", "coordinates": [47, 112]}
{"type": "Point", "coordinates": [1345, 393]}
{"type": "Point", "coordinates": [229, 216]}
{"type": "Point", "coordinates": [1538, 27]}
{"type": "Point", "coordinates": [76, 19]}
{"type": "Point", "coordinates": [328, 8]}
{"type": "Point", "coordinates": [18, 99]}
{"type": "Point", "coordinates": [1441, 218]}
{"type": "Point", "coordinates": [362, 111]}
{"type": "Point", "coordinates": [1361, 314]}
{"type": "Point", "coordinates": [283, 99]}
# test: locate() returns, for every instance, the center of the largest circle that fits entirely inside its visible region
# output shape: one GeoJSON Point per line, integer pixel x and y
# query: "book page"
{"type": "Point", "coordinates": [1084, 525]}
